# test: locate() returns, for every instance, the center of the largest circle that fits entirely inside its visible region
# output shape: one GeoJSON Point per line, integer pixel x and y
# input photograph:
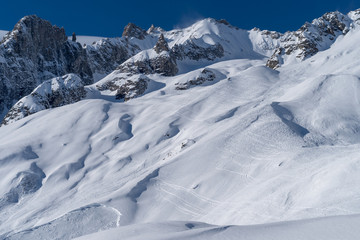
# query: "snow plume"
{"type": "Point", "coordinates": [188, 19]}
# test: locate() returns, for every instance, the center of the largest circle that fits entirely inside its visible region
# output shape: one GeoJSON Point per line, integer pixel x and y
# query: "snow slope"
{"type": "Point", "coordinates": [3, 33]}
{"type": "Point", "coordinates": [340, 227]}
{"type": "Point", "coordinates": [251, 145]}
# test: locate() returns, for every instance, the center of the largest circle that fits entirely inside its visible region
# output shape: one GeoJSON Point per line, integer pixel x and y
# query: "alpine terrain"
{"type": "Point", "coordinates": [205, 132]}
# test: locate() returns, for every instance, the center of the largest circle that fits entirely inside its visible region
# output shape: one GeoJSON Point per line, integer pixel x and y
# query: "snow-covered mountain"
{"type": "Point", "coordinates": [182, 134]}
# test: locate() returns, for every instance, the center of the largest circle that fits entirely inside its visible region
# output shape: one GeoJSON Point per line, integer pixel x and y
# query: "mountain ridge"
{"type": "Point", "coordinates": [205, 41]}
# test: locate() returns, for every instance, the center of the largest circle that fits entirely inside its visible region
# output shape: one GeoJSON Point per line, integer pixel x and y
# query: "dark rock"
{"type": "Point", "coordinates": [161, 45]}
{"type": "Point", "coordinates": [275, 60]}
{"type": "Point", "coordinates": [194, 52]}
{"type": "Point", "coordinates": [127, 86]}
{"type": "Point", "coordinates": [73, 37]}
{"type": "Point", "coordinates": [50, 94]}
{"type": "Point", "coordinates": [131, 30]}
{"type": "Point", "coordinates": [162, 64]}
{"type": "Point", "coordinates": [106, 55]}
{"type": "Point", "coordinates": [310, 38]}
{"type": "Point", "coordinates": [36, 51]}
{"type": "Point", "coordinates": [205, 75]}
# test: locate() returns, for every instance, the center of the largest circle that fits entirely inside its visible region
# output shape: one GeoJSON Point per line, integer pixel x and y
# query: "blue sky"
{"type": "Point", "coordinates": [108, 17]}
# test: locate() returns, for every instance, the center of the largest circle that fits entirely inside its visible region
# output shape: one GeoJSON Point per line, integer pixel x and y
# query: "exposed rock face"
{"type": "Point", "coordinates": [126, 86]}
{"type": "Point", "coordinates": [194, 52]}
{"type": "Point", "coordinates": [107, 54]}
{"type": "Point", "coordinates": [161, 45]}
{"type": "Point", "coordinates": [131, 30]}
{"type": "Point", "coordinates": [310, 38]}
{"type": "Point", "coordinates": [275, 60]}
{"type": "Point", "coordinates": [157, 60]}
{"type": "Point", "coordinates": [34, 52]}
{"type": "Point", "coordinates": [162, 64]}
{"type": "Point", "coordinates": [56, 92]}
{"type": "Point", "coordinates": [205, 75]}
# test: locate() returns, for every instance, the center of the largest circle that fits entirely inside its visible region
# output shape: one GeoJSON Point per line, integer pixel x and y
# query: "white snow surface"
{"type": "Point", "coordinates": [87, 40]}
{"type": "Point", "coordinates": [2, 34]}
{"type": "Point", "coordinates": [331, 228]}
{"type": "Point", "coordinates": [254, 146]}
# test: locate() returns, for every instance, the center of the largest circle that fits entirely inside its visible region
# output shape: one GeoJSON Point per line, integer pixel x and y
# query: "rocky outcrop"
{"type": "Point", "coordinates": [192, 51]}
{"type": "Point", "coordinates": [125, 86]}
{"type": "Point", "coordinates": [53, 93]}
{"type": "Point", "coordinates": [162, 64]}
{"type": "Point", "coordinates": [157, 60]}
{"type": "Point", "coordinates": [310, 38]}
{"type": "Point", "coordinates": [131, 30]}
{"type": "Point", "coordinates": [161, 45]}
{"type": "Point", "coordinates": [33, 52]}
{"type": "Point", "coordinates": [204, 76]}
{"type": "Point", "coordinates": [107, 54]}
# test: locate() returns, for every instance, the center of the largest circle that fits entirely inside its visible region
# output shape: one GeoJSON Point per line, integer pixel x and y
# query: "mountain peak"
{"type": "Point", "coordinates": [33, 32]}
{"type": "Point", "coordinates": [132, 30]}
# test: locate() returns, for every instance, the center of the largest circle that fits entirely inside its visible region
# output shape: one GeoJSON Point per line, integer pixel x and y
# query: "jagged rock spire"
{"type": "Point", "coordinates": [131, 30]}
{"type": "Point", "coordinates": [151, 29]}
{"type": "Point", "coordinates": [161, 45]}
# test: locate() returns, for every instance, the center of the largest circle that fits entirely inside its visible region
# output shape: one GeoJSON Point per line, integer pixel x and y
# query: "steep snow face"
{"type": "Point", "coordinates": [209, 32]}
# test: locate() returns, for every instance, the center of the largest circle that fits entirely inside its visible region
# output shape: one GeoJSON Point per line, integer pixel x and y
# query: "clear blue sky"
{"type": "Point", "coordinates": [108, 17]}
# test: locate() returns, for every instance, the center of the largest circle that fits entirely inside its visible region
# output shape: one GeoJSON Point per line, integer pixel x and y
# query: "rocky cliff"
{"type": "Point", "coordinates": [310, 38]}
{"type": "Point", "coordinates": [35, 51]}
